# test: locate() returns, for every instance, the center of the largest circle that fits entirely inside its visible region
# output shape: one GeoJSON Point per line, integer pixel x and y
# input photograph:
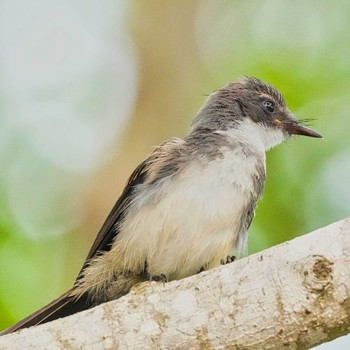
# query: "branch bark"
{"type": "Point", "coordinates": [293, 296]}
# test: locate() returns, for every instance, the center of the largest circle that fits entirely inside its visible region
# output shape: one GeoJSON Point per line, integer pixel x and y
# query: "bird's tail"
{"type": "Point", "coordinates": [63, 306]}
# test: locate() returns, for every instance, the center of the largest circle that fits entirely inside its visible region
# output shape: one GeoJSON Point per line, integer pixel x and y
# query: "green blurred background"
{"type": "Point", "coordinates": [87, 89]}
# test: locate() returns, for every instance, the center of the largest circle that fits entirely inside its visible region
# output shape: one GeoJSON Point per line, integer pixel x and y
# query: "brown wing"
{"type": "Point", "coordinates": [163, 161]}
{"type": "Point", "coordinates": [66, 305]}
{"type": "Point", "coordinates": [109, 229]}
{"type": "Point", "coordinates": [155, 167]}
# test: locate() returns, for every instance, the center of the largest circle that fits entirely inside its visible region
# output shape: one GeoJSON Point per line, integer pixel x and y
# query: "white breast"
{"type": "Point", "coordinates": [195, 222]}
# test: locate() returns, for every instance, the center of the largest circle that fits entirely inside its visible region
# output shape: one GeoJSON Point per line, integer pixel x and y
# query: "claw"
{"type": "Point", "coordinates": [201, 269]}
{"type": "Point", "coordinates": [158, 278]}
{"type": "Point", "coordinates": [229, 259]}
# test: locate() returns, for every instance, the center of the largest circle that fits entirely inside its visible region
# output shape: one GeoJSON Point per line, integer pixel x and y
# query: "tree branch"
{"type": "Point", "coordinates": [293, 296]}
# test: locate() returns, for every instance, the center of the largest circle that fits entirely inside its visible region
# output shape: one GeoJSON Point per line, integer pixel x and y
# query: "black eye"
{"type": "Point", "coordinates": [269, 105]}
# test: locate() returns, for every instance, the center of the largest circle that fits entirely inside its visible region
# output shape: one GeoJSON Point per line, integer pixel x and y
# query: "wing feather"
{"type": "Point", "coordinates": [151, 170]}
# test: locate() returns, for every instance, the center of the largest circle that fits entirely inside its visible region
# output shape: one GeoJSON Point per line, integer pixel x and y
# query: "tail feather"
{"type": "Point", "coordinates": [63, 306]}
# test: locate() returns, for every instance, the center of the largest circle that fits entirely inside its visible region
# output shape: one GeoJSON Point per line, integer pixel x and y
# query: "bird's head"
{"type": "Point", "coordinates": [252, 110]}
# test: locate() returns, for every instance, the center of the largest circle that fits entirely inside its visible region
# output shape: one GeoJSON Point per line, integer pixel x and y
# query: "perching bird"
{"type": "Point", "coordinates": [189, 204]}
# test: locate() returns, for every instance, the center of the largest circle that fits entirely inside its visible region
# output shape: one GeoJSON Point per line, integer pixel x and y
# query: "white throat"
{"type": "Point", "coordinates": [261, 137]}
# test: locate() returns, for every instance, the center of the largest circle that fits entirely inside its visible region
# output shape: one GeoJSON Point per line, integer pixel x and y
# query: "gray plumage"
{"type": "Point", "coordinates": [190, 203]}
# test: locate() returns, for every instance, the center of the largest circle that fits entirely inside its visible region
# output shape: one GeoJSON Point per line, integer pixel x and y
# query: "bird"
{"type": "Point", "coordinates": [189, 204]}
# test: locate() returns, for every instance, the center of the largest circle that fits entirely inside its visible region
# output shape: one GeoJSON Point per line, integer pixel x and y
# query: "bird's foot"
{"type": "Point", "coordinates": [227, 260]}
{"type": "Point", "coordinates": [158, 278]}
{"type": "Point", "coordinates": [201, 269]}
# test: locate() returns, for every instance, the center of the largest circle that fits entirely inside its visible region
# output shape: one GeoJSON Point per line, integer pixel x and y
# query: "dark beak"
{"type": "Point", "coordinates": [296, 128]}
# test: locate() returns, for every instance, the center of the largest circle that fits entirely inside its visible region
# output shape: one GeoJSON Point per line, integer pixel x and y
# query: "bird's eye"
{"type": "Point", "coordinates": [269, 105]}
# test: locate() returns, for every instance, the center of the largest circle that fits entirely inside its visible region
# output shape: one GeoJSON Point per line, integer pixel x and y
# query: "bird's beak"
{"type": "Point", "coordinates": [294, 127]}
{"type": "Point", "coordinates": [297, 128]}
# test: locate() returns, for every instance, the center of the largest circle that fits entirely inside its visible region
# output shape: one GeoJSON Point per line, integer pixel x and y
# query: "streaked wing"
{"type": "Point", "coordinates": [66, 305]}
{"type": "Point", "coordinates": [109, 229]}
{"type": "Point", "coordinates": [163, 162]}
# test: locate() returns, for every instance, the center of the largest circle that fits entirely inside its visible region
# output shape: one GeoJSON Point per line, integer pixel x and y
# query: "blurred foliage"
{"type": "Point", "coordinates": [83, 103]}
